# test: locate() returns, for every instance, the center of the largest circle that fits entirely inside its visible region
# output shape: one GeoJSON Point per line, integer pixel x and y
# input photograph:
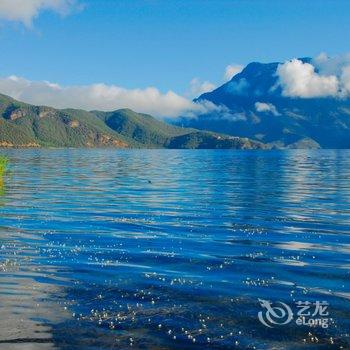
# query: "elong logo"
{"type": "Point", "coordinates": [281, 314]}
{"type": "Point", "coordinates": [310, 314]}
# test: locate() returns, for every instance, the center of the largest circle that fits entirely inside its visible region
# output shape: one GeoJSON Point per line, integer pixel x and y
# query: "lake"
{"type": "Point", "coordinates": [171, 249]}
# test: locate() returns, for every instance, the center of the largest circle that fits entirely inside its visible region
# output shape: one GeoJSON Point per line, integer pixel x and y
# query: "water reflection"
{"type": "Point", "coordinates": [172, 249]}
{"type": "Point", "coordinates": [26, 306]}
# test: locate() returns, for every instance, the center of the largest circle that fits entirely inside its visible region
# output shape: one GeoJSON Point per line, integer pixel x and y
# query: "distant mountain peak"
{"type": "Point", "coordinates": [255, 104]}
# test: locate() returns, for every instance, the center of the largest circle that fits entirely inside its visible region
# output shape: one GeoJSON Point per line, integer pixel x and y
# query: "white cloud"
{"type": "Point", "coordinates": [266, 108]}
{"type": "Point", "coordinates": [232, 70]}
{"type": "Point", "coordinates": [102, 97]}
{"type": "Point", "coordinates": [26, 10]}
{"type": "Point", "coordinates": [326, 65]}
{"type": "Point", "coordinates": [300, 79]}
{"type": "Point", "coordinates": [345, 80]}
{"type": "Point", "coordinates": [239, 87]}
{"type": "Point", "coordinates": [338, 66]}
{"type": "Point", "coordinates": [226, 114]}
{"type": "Point", "coordinates": [198, 87]}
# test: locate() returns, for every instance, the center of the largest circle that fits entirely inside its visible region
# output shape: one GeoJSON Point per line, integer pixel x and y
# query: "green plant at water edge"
{"type": "Point", "coordinates": [3, 165]}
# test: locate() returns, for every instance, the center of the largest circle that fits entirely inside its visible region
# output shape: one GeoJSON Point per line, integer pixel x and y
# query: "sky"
{"type": "Point", "coordinates": [177, 48]}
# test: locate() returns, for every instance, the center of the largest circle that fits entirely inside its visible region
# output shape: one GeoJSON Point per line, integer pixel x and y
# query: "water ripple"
{"type": "Point", "coordinates": [166, 249]}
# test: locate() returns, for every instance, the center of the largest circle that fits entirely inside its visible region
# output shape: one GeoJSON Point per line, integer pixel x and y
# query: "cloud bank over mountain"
{"type": "Point", "coordinates": [102, 97]}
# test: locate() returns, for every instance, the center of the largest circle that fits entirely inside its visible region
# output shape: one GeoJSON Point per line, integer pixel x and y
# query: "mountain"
{"type": "Point", "coordinates": [24, 125]}
{"type": "Point", "coordinates": [252, 104]}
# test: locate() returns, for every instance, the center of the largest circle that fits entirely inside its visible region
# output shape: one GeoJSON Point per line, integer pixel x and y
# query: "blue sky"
{"type": "Point", "coordinates": [165, 43]}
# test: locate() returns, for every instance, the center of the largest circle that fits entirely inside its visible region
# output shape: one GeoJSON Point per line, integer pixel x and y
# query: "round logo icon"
{"type": "Point", "coordinates": [274, 315]}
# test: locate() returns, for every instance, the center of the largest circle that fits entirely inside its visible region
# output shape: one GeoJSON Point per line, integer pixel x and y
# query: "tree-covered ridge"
{"type": "Point", "coordinates": [24, 125]}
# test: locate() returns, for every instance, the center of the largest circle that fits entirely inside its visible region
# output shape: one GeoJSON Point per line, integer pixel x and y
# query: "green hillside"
{"type": "Point", "coordinates": [24, 125]}
{"type": "Point", "coordinates": [142, 128]}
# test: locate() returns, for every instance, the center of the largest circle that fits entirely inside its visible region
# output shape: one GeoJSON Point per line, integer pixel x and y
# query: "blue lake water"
{"type": "Point", "coordinates": [168, 249]}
